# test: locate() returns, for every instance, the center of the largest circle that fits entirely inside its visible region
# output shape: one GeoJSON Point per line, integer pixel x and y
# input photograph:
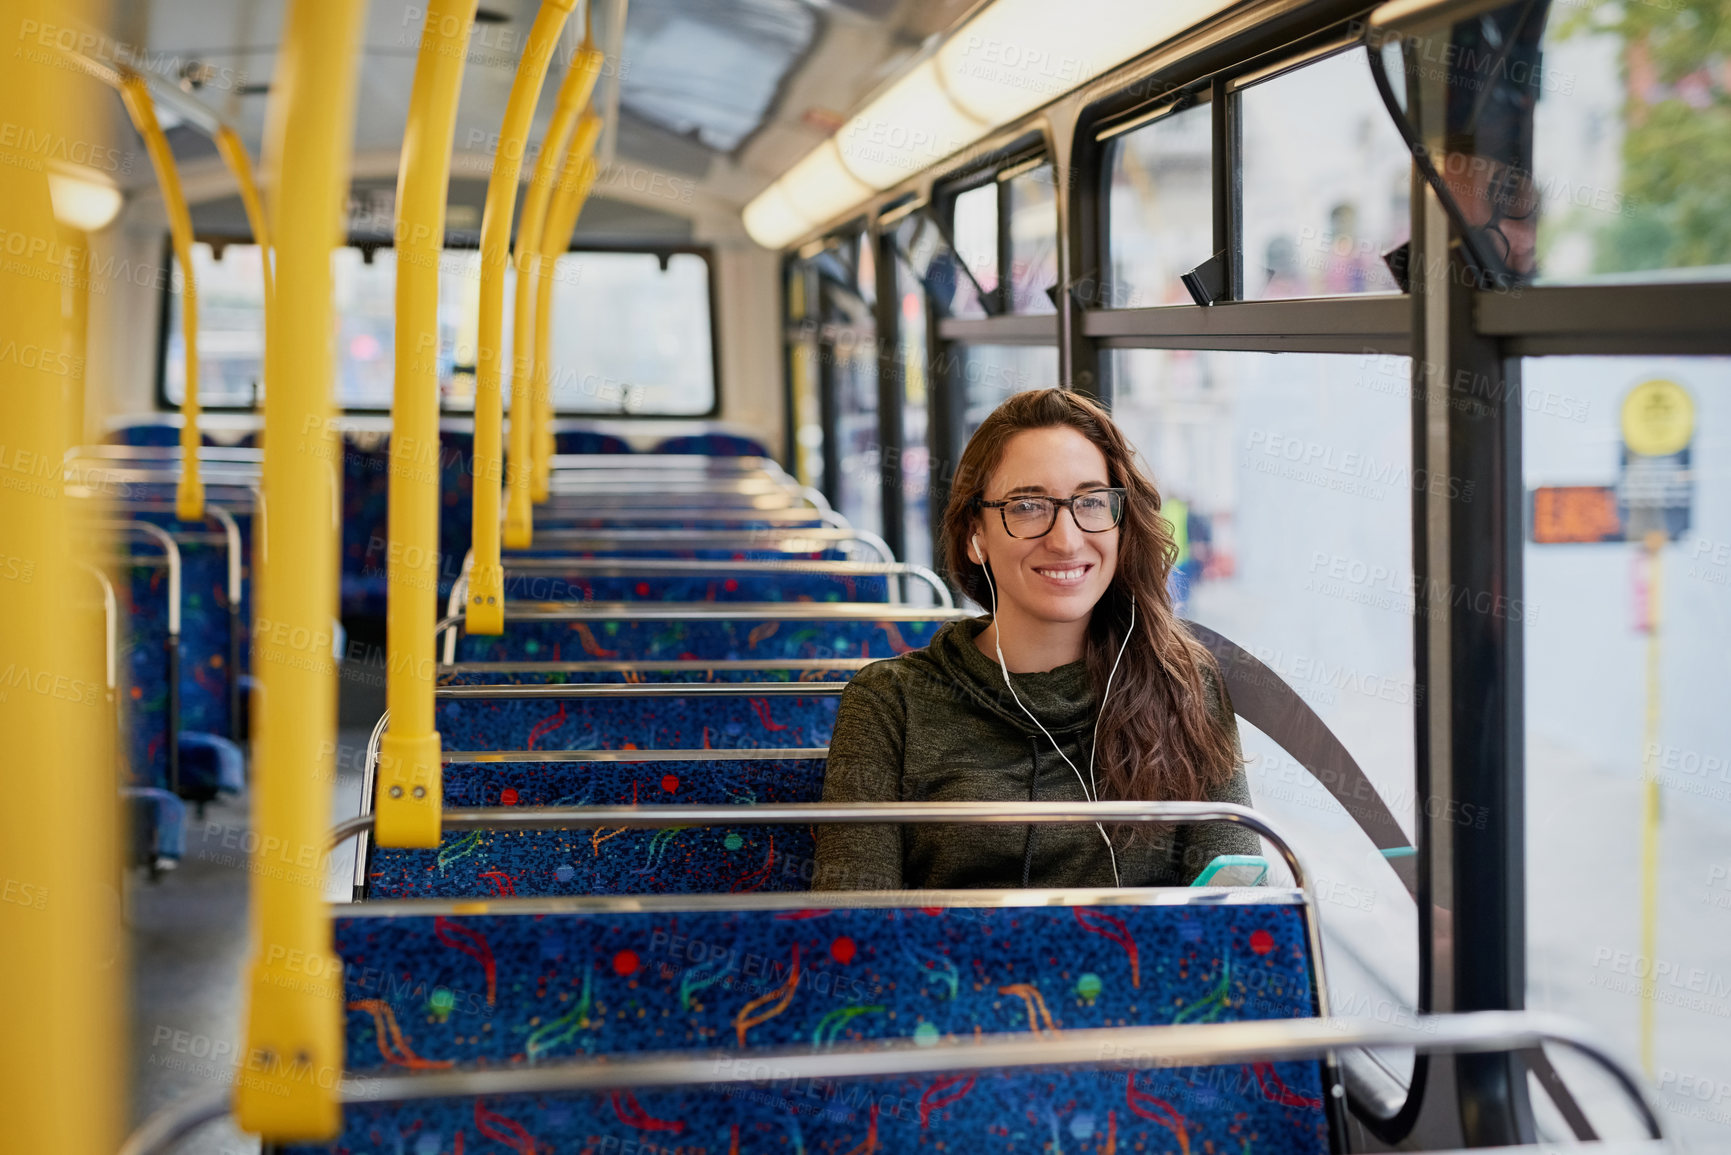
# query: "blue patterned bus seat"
{"type": "Point", "coordinates": [575, 441]}
{"type": "Point", "coordinates": [210, 765]}
{"type": "Point", "coordinates": [729, 722]}
{"type": "Point", "coordinates": [568, 673]}
{"type": "Point", "coordinates": [143, 594]}
{"type": "Point", "coordinates": [206, 628]}
{"type": "Point", "coordinates": [713, 445]}
{"type": "Point", "coordinates": [366, 534]}
{"type": "Point", "coordinates": [716, 639]}
{"type": "Point", "coordinates": [650, 519]}
{"type": "Point", "coordinates": [434, 992]}
{"type": "Point", "coordinates": [695, 860]}
{"type": "Point", "coordinates": [745, 587]}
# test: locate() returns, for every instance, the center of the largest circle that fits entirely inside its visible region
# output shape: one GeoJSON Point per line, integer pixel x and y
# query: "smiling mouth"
{"type": "Point", "coordinates": [1064, 573]}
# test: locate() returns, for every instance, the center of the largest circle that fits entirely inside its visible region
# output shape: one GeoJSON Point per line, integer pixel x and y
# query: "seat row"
{"type": "Point", "coordinates": [616, 945]}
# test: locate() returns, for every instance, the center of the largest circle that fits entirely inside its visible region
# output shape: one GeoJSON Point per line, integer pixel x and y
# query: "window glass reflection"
{"type": "Point", "coordinates": [1287, 480]}
{"type": "Point", "coordinates": [1161, 209]}
{"type": "Point", "coordinates": [1326, 183]}
{"type": "Point", "coordinates": [1628, 741]}
{"type": "Point", "coordinates": [975, 240]}
{"type": "Point", "coordinates": [629, 337]}
{"type": "Point", "coordinates": [989, 374]}
{"type": "Point", "coordinates": [1033, 228]}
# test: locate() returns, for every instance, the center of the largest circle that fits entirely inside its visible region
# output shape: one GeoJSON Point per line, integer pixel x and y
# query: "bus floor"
{"type": "Point", "coordinates": [188, 939]}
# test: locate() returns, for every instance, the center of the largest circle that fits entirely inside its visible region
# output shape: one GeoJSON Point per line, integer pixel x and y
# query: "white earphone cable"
{"type": "Point", "coordinates": [1089, 795]}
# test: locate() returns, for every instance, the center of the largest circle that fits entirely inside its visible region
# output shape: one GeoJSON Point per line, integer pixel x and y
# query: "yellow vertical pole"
{"type": "Point", "coordinates": [410, 780]}
{"type": "Point", "coordinates": [576, 177]}
{"type": "Point", "coordinates": [286, 1087]}
{"type": "Point", "coordinates": [135, 94]}
{"type": "Point", "coordinates": [61, 962]}
{"type": "Point", "coordinates": [579, 81]}
{"type": "Point", "coordinates": [486, 606]}
{"type": "Point", "coordinates": [1653, 545]}
{"type": "Point", "coordinates": [234, 155]}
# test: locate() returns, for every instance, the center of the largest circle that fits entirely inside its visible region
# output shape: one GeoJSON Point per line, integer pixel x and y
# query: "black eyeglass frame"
{"type": "Point", "coordinates": [1058, 503]}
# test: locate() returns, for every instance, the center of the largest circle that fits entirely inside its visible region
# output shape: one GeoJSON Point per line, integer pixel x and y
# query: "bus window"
{"type": "Point", "coordinates": [1327, 183]}
{"type": "Point", "coordinates": [990, 373]}
{"type": "Point", "coordinates": [1288, 481]}
{"type": "Point", "coordinates": [1032, 223]}
{"type": "Point", "coordinates": [1627, 572]}
{"type": "Point", "coordinates": [662, 363]}
{"type": "Point", "coordinates": [1161, 209]}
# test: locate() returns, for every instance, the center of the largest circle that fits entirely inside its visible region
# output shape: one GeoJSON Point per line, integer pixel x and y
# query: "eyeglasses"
{"type": "Point", "coordinates": [1096, 511]}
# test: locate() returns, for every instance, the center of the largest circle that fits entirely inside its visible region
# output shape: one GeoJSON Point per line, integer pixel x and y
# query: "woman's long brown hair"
{"type": "Point", "coordinates": [1158, 738]}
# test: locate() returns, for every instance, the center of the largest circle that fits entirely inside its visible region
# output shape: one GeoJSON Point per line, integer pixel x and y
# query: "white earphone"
{"type": "Point", "coordinates": [1090, 790]}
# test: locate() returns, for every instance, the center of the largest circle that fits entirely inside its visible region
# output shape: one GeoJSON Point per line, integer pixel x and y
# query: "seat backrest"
{"type": "Point", "coordinates": [724, 721]}
{"type": "Point", "coordinates": [695, 860]}
{"type": "Point", "coordinates": [701, 639]}
{"type": "Point", "coordinates": [562, 673]}
{"type": "Point", "coordinates": [713, 445]}
{"type": "Point", "coordinates": [572, 441]}
{"type": "Point", "coordinates": [445, 990]}
{"type": "Point", "coordinates": [145, 664]}
{"type": "Point", "coordinates": [1240, 1108]}
{"type": "Point", "coordinates": [542, 586]}
{"type": "Point", "coordinates": [699, 967]}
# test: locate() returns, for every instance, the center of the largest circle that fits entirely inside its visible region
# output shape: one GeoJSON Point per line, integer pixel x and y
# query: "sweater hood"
{"type": "Point", "coordinates": [1060, 698]}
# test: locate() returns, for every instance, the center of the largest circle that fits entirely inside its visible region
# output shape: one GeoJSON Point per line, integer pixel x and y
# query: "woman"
{"type": "Point", "coordinates": [1052, 524]}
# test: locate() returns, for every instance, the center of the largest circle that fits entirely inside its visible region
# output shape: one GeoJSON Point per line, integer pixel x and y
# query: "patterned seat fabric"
{"type": "Point", "coordinates": [206, 628]}
{"type": "Point", "coordinates": [571, 674]}
{"type": "Point", "coordinates": [650, 519]}
{"type": "Point", "coordinates": [747, 587]}
{"type": "Point", "coordinates": [144, 660]}
{"type": "Point", "coordinates": [699, 723]}
{"type": "Point", "coordinates": [713, 445]}
{"type": "Point", "coordinates": [723, 860]}
{"type": "Point", "coordinates": [432, 992]}
{"type": "Point", "coordinates": [719, 639]}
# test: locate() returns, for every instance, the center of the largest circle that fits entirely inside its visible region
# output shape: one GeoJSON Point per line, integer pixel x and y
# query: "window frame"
{"type": "Point", "coordinates": [369, 244]}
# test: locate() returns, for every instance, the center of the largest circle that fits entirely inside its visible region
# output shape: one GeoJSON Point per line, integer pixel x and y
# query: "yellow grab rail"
{"type": "Point", "coordinates": [135, 94]}
{"type": "Point", "coordinates": [228, 143]}
{"type": "Point", "coordinates": [576, 178]}
{"type": "Point", "coordinates": [574, 93]}
{"type": "Point", "coordinates": [290, 1068]}
{"type": "Point", "coordinates": [485, 612]}
{"type": "Point", "coordinates": [410, 779]}
{"type": "Point", "coordinates": [62, 960]}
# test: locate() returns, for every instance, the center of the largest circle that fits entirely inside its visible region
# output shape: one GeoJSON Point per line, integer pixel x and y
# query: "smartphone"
{"type": "Point", "coordinates": [1234, 870]}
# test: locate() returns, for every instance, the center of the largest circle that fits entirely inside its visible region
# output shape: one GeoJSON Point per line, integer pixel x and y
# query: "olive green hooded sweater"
{"type": "Point", "coordinates": [937, 725]}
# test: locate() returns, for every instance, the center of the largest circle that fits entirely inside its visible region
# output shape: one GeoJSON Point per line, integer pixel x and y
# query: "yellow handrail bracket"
{"type": "Point", "coordinates": [410, 778]}
{"type": "Point", "coordinates": [286, 1085]}
{"type": "Point", "coordinates": [135, 94]}
{"type": "Point", "coordinates": [485, 611]}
